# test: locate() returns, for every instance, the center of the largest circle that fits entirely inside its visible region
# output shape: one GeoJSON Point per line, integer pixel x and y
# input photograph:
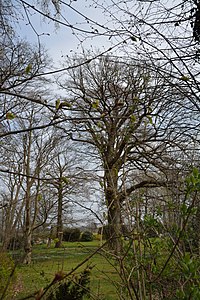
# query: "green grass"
{"type": "Point", "coordinates": [47, 261]}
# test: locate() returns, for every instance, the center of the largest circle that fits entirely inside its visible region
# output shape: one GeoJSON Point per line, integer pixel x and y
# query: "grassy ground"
{"type": "Point", "coordinates": [48, 261]}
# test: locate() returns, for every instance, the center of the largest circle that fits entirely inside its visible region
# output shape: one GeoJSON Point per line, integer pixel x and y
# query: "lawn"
{"type": "Point", "coordinates": [47, 261]}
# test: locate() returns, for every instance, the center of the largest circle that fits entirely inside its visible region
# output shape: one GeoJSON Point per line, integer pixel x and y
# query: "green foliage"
{"type": "Point", "coordinates": [193, 182]}
{"type": "Point", "coordinates": [190, 267]}
{"type": "Point", "coordinates": [6, 268]}
{"type": "Point", "coordinates": [151, 226]}
{"type": "Point", "coordinates": [145, 261]}
{"type": "Point", "coordinates": [97, 236]}
{"type": "Point", "coordinates": [71, 234]}
{"type": "Point", "coordinates": [73, 288]}
{"type": "Point", "coordinates": [150, 120]}
{"type": "Point", "coordinates": [95, 104]}
{"type": "Point", "coordinates": [86, 236]}
{"type": "Point", "coordinates": [65, 180]}
{"type": "Point", "coordinates": [56, 240]}
{"type": "Point", "coordinates": [28, 69]}
{"type": "Point", "coordinates": [65, 104]}
{"type": "Point", "coordinates": [185, 78]}
{"type": "Point", "coordinates": [190, 211]}
{"type": "Point", "coordinates": [62, 104]}
{"type": "Point", "coordinates": [133, 118]}
{"type": "Point", "coordinates": [57, 103]}
{"type": "Point", "coordinates": [10, 116]}
{"type": "Point", "coordinates": [168, 265]}
{"type": "Point", "coordinates": [39, 197]}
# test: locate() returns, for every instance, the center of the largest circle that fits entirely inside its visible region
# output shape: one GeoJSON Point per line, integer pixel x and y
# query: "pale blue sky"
{"type": "Point", "coordinates": [61, 41]}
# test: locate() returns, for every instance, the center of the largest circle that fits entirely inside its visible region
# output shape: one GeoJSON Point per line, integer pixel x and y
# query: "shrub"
{"type": "Point", "coordinates": [74, 288]}
{"type": "Point", "coordinates": [71, 234]}
{"type": "Point", "coordinates": [151, 226]}
{"type": "Point", "coordinates": [6, 268]}
{"type": "Point", "coordinates": [97, 237]}
{"type": "Point", "coordinates": [87, 236]}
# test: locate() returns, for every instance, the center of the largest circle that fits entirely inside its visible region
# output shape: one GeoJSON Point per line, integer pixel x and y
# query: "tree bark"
{"type": "Point", "coordinates": [59, 233]}
{"type": "Point", "coordinates": [28, 227]}
{"type": "Point", "coordinates": [114, 210]}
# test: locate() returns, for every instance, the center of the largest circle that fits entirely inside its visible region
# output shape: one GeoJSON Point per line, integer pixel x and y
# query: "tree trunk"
{"type": "Point", "coordinates": [114, 211]}
{"type": "Point", "coordinates": [10, 219]}
{"type": "Point", "coordinates": [29, 182]}
{"type": "Point", "coordinates": [59, 233]}
{"type": "Point", "coordinates": [6, 241]}
{"type": "Point", "coordinates": [28, 227]}
{"type": "Point", "coordinates": [7, 232]}
{"type": "Point", "coordinates": [115, 227]}
{"type": "Point", "coordinates": [27, 247]}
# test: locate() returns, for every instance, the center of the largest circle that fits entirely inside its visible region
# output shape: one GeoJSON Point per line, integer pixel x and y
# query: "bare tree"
{"type": "Point", "coordinates": [124, 111]}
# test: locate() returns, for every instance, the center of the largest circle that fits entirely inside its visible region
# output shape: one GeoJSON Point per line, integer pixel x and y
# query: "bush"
{"type": "Point", "coordinates": [97, 237]}
{"type": "Point", "coordinates": [87, 236]}
{"type": "Point", "coordinates": [6, 268]}
{"type": "Point", "coordinates": [74, 288]}
{"type": "Point", "coordinates": [152, 226]}
{"type": "Point", "coordinates": [71, 234]}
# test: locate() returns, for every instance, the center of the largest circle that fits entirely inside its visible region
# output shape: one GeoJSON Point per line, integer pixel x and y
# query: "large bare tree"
{"type": "Point", "coordinates": [123, 109]}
